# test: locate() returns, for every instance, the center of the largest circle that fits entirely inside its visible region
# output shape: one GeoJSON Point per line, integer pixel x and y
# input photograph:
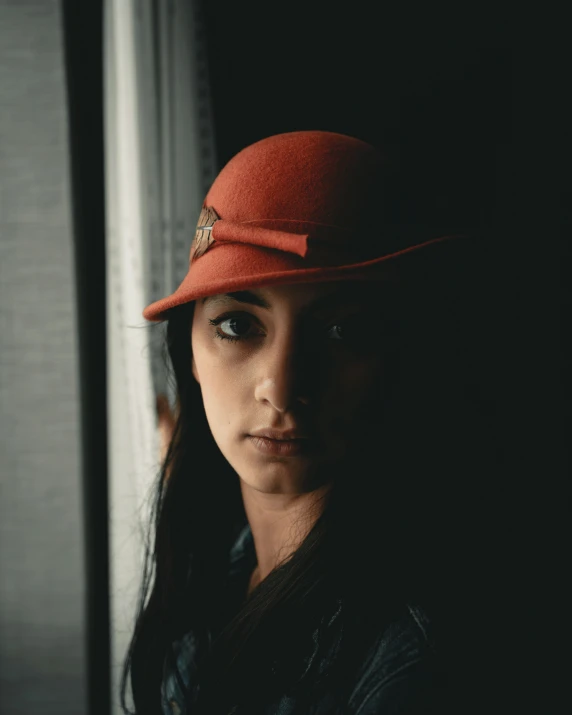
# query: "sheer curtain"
{"type": "Point", "coordinates": [160, 161]}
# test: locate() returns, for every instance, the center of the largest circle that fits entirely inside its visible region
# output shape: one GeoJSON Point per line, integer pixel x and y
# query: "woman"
{"type": "Point", "coordinates": [302, 546]}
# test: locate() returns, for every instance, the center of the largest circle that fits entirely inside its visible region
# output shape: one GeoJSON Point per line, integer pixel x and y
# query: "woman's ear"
{"type": "Point", "coordinates": [166, 422]}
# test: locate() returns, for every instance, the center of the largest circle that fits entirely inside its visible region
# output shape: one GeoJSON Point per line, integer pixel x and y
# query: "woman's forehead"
{"type": "Point", "coordinates": [304, 295]}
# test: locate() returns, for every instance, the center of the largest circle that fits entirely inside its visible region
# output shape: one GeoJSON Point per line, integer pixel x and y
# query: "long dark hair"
{"type": "Point", "coordinates": [383, 538]}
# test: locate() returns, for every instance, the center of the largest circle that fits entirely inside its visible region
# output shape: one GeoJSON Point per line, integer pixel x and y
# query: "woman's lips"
{"type": "Point", "coordinates": [282, 448]}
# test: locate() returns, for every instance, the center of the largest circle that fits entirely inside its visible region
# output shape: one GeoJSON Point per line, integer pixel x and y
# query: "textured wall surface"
{"type": "Point", "coordinates": [42, 581]}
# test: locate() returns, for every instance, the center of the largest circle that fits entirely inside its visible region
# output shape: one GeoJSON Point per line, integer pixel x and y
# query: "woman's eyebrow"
{"type": "Point", "coordinates": [242, 296]}
{"type": "Point", "coordinates": [339, 295]}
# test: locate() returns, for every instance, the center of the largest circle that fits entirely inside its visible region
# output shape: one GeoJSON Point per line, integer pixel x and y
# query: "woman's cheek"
{"type": "Point", "coordinates": [363, 377]}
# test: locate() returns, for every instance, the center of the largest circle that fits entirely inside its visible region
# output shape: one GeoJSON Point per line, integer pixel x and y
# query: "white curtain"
{"type": "Point", "coordinates": [160, 162]}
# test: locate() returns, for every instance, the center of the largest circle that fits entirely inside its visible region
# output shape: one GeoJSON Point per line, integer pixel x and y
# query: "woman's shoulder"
{"type": "Point", "coordinates": [402, 669]}
{"type": "Point", "coordinates": [178, 670]}
{"type": "Point", "coordinates": [180, 664]}
{"type": "Point", "coordinates": [397, 672]}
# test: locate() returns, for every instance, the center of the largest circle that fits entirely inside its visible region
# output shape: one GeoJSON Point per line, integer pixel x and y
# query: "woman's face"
{"type": "Point", "coordinates": [310, 357]}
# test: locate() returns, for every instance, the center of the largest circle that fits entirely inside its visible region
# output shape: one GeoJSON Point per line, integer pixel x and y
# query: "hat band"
{"type": "Point", "coordinates": [322, 242]}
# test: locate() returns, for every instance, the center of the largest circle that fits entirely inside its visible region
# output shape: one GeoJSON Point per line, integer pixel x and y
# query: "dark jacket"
{"type": "Point", "coordinates": [399, 675]}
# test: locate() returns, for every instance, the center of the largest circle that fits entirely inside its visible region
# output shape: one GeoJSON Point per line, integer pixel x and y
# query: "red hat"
{"type": "Point", "coordinates": [298, 207]}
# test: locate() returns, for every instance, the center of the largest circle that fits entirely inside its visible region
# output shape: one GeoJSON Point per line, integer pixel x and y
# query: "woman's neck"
{"type": "Point", "coordinates": [279, 523]}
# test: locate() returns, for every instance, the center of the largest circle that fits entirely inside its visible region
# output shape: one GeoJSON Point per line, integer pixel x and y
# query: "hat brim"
{"type": "Point", "coordinates": [233, 267]}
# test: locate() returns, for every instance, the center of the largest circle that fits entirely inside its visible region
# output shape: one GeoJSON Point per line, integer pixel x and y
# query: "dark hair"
{"type": "Point", "coordinates": [382, 539]}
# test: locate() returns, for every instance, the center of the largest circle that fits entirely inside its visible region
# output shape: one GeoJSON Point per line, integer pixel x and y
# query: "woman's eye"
{"type": "Point", "coordinates": [337, 331]}
{"type": "Point", "coordinates": [363, 330]}
{"type": "Point", "coordinates": [350, 331]}
{"type": "Point", "coordinates": [230, 325]}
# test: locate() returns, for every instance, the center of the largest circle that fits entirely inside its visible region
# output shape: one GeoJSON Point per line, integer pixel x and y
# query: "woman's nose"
{"type": "Point", "coordinates": [285, 375]}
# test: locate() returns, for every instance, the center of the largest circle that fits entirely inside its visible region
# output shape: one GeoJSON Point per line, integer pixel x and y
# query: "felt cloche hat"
{"type": "Point", "coordinates": [302, 206]}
